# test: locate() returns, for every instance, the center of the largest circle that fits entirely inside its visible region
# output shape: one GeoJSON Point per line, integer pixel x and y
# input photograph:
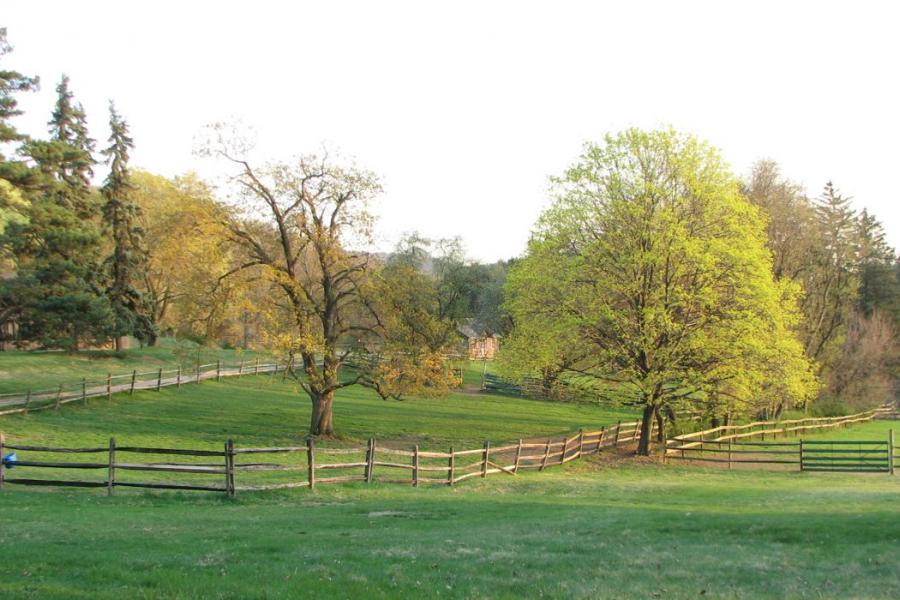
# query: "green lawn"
{"type": "Point", "coordinates": [20, 371]}
{"type": "Point", "coordinates": [262, 410]}
{"type": "Point", "coordinates": [638, 530]}
{"type": "Point", "coordinates": [607, 526]}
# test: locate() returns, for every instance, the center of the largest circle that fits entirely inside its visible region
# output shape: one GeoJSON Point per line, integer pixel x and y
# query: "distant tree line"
{"type": "Point", "coordinates": [850, 282]}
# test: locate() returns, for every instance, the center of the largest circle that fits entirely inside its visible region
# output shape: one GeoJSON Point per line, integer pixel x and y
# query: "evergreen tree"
{"type": "Point", "coordinates": [13, 173]}
{"type": "Point", "coordinates": [69, 126]}
{"type": "Point", "coordinates": [57, 292]}
{"type": "Point", "coordinates": [879, 287]}
{"type": "Point", "coordinates": [11, 83]}
{"type": "Point", "coordinates": [121, 217]}
{"type": "Point", "coordinates": [832, 282]}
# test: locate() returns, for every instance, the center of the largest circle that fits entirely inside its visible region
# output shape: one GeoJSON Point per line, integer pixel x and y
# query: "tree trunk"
{"type": "Point", "coordinates": [660, 427]}
{"type": "Point", "coordinates": [322, 421]}
{"type": "Point", "coordinates": [650, 411]}
{"type": "Point", "coordinates": [118, 343]}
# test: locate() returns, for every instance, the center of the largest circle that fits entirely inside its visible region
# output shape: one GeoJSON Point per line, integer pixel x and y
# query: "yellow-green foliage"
{"type": "Point", "coordinates": [650, 272]}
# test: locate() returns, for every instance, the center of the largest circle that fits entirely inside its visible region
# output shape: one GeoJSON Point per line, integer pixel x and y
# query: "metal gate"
{"type": "Point", "coordinates": [858, 456]}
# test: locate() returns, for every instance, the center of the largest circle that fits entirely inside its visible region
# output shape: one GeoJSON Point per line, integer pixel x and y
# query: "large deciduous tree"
{"type": "Point", "coordinates": [650, 273]}
{"type": "Point", "coordinates": [303, 225]}
{"type": "Point", "coordinates": [303, 228]}
{"type": "Point", "coordinates": [186, 257]}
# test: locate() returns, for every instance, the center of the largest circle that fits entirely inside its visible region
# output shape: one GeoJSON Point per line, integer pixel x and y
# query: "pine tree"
{"type": "Point", "coordinates": [57, 292]}
{"type": "Point", "coordinates": [832, 282]}
{"type": "Point", "coordinates": [879, 287]}
{"type": "Point", "coordinates": [69, 126]}
{"type": "Point", "coordinates": [11, 83]}
{"type": "Point", "coordinates": [13, 174]}
{"type": "Point", "coordinates": [121, 217]}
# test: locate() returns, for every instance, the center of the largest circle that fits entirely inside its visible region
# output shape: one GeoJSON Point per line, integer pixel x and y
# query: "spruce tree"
{"type": "Point", "coordinates": [57, 290]}
{"type": "Point", "coordinates": [69, 126]}
{"type": "Point", "coordinates": [879, 287]}
{"type": "Point", "coordinates": [52, 290]}
{"type": "Point", "coordinates": [13, 173]}
{"type": "Point", "coordinates": [121, 217]}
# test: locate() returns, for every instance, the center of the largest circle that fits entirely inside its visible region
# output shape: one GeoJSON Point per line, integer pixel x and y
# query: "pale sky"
{"type": "Point", "coordinates": [466, 108]}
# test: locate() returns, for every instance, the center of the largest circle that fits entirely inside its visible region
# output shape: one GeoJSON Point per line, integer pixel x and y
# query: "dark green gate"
{"type": "Point", "coordinates": [856, 456]}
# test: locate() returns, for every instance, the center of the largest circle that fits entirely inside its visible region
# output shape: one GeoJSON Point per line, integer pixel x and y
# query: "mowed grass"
{"type": "Point", "coordinates": [610, 526]}
{"type": "Point", "coordinates": [263, 410]}
{"type": "Point", "coordinates": [639, 530]}
{"type": "Point", "coordinates": [21, 371]}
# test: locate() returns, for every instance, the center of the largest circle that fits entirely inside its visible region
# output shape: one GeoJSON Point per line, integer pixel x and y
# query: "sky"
{"type": "Point", "coordinates": [465, 109]}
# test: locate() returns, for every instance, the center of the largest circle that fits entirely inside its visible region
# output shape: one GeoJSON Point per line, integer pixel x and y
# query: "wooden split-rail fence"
{"type": "Point", "coordinates": [233, 468]}
{"type": "Point", "coordinates": [766, 443]}
{"type": "Point", "coordinates": [105, 387]}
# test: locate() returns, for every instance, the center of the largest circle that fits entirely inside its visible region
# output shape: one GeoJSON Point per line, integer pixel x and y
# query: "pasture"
{"type": "Point", "coordinates": [587, 530]}
{"type": "Point", "coordinates": [607, 526]}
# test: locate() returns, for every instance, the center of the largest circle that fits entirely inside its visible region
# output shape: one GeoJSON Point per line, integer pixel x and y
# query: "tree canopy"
{"type": "Point", "coordinates": [650, 273]}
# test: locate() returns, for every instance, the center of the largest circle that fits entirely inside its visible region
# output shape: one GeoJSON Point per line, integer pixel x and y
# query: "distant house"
{"type": "Point", "coordinates": [481, 345]}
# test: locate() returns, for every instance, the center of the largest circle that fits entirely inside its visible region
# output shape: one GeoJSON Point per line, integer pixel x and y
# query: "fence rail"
{"type": "Point", "coordinates": [105, 387]}
{"type": "Point", "coordinates": [235, 469]}
{"type": "Point", "coordinates": [733, 445]}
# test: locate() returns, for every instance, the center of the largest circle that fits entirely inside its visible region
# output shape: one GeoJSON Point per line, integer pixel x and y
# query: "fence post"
{"type": "Point", "coordinates": [178, 378]}
{"type": "Point", "coordinates": [241, 369]}
{"type": "Point", "coordinates": [370, 458]}
{"type": "Point", "coordinates": [416, 465]}
{"type": "Point", "coordinates": [2, 464]}
{"type": "Point", "coordinates": [546, 454]}
{"type": "Point", "coordinates": [484, 458]}
{"type": "Point", "coordinates": [562, 455]}
{"type": "Point", "coordinates": [450, 467]}
{"type": "Point", "coordinates": [84, 390]}
{"type": "Point", "coordinates": [311, 462]}
{"type": "Point", "coordinates": [600, 439]}
{"type": "Point", "coordinates": [801, 454]}
{"type": "Point", "coordinates": [133, 378]}
{"type": "Point", "coordinates": [218, 370]}
{"type": "Point", "coordinates": [580, 441]}
{"type": "Point", "coordinates": [891, 451]}
{"type": "Point", "coordinates": [518, 454]}
{"type": "Point", "coordinates": [58, 396]}
{"type": "Point", "coordinates": [111, 470]}
{"type": "Point", "coordinates": [198, 372]}
{"type": "Point", "coordinates": [256, 367]}
{"type": "Point", "coordinates": [618, 427]}
{"type": "Point", "coordinates": [729, 455]}
{"type": "Point", "coordinates": [109, 386]}
{"type": "Point", "coordinates": [229, 468]}
{"type": "Point", "coordinates": [159, 379]}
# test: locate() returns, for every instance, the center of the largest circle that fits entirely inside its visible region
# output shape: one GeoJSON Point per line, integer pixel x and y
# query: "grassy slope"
{"type": "Point", "coordinates": [640, 531]}
{"type": "Point", "coordinates": [262, 410]}
{"type": "Point", "coordinates": [20, 371]}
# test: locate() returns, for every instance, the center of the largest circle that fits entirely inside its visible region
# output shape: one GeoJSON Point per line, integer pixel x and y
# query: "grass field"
{"type": "Point", "coordinates": [20, 371]}
{"type": "Point", "coordinates": [608, 526]}
{"type": "Point", "coordinates": [584, 531]}
{"type": "Point", "coordinates": [261, 410]}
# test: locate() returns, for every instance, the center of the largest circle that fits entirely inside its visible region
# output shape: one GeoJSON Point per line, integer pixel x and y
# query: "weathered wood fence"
{"type": "Point", "coordinates": [235, 469]}
{"type": "Point", "coordinates": [105, 387]}
{"type": "Point", "coordinates": [766, 443]}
